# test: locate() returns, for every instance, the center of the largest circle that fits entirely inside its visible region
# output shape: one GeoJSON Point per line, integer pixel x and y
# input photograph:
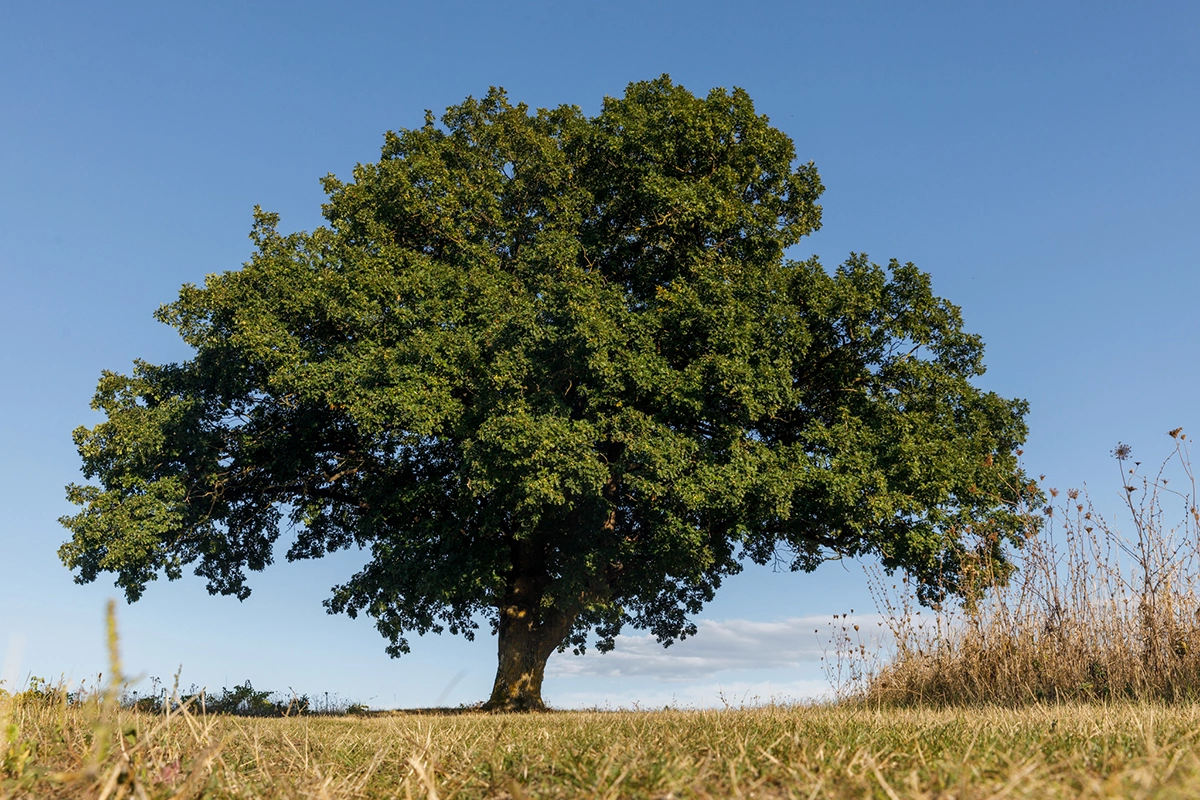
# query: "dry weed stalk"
{"type": "Point", "coordinates": [84, 744]}
{"type": "Point", "coordinates": [1093, 613]}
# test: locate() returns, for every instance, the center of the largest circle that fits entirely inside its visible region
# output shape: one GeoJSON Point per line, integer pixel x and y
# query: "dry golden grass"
{"type": "Point", "coordinates": [1094, 612]}
{"type": "Point", "coordinates": [1121, 750]}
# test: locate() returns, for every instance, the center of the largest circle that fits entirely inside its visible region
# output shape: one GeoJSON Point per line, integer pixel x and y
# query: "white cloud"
{"type": "Point", "coordinates": [716, 694]}
{"type": "Point", "coordinates": [719, 646]}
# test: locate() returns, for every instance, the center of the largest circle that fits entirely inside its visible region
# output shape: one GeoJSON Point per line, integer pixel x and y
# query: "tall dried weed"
{"type": "Point", "coordinates": [1094, 612]}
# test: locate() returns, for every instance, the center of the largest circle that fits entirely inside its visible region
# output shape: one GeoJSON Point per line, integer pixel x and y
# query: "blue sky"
{"type": "Point", "coordinates": [1039, 159]}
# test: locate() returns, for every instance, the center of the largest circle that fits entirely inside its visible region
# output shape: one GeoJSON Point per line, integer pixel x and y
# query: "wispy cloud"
{"type": "Point", "coordinates": [719, 646]}
{"type": "Point", "coordinates": [710, 694]}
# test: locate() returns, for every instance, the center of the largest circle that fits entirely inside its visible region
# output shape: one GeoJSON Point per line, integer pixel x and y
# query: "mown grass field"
{"type": "Point", "coordinates": [835, 751]}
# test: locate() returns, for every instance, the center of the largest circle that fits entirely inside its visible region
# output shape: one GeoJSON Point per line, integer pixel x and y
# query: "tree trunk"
{"type": "Point", "coordinates": [529, 634]}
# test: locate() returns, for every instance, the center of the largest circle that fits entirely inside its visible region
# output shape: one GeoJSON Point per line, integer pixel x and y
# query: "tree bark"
{"type": "Point", "coordinates": [528, 635]}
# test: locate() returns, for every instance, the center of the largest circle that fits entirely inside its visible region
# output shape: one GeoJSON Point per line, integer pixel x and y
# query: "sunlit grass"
{"type": "Point", "coordinates": [1119, 750]}
{"type": "Point", "coordinates": [1097, 611]}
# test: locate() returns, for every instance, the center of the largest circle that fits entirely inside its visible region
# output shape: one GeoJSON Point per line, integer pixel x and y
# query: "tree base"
{"type": "Point", "coordinates": [515, 706]}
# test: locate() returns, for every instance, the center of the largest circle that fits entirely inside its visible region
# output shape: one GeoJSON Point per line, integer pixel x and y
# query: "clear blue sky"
{"type": "Point", "coordinates": [1039, 159]}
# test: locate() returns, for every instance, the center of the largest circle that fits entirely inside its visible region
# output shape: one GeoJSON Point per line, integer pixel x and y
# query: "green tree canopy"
{"type": "Point", "coordinates": [553, 372]}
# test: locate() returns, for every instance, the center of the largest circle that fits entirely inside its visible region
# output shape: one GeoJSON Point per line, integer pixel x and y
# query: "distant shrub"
{"type": "Point", "coordinates": [38, 692]}
{"type": "Point", "coordinates": [246, 701]}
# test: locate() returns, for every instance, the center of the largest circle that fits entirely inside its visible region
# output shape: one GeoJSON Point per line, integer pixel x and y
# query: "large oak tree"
{"type": "Point", "coordinates": [554, 372]}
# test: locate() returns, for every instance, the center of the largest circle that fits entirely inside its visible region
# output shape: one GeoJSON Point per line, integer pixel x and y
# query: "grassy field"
{"type": "Point", "coordinates": [1122, 750]}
